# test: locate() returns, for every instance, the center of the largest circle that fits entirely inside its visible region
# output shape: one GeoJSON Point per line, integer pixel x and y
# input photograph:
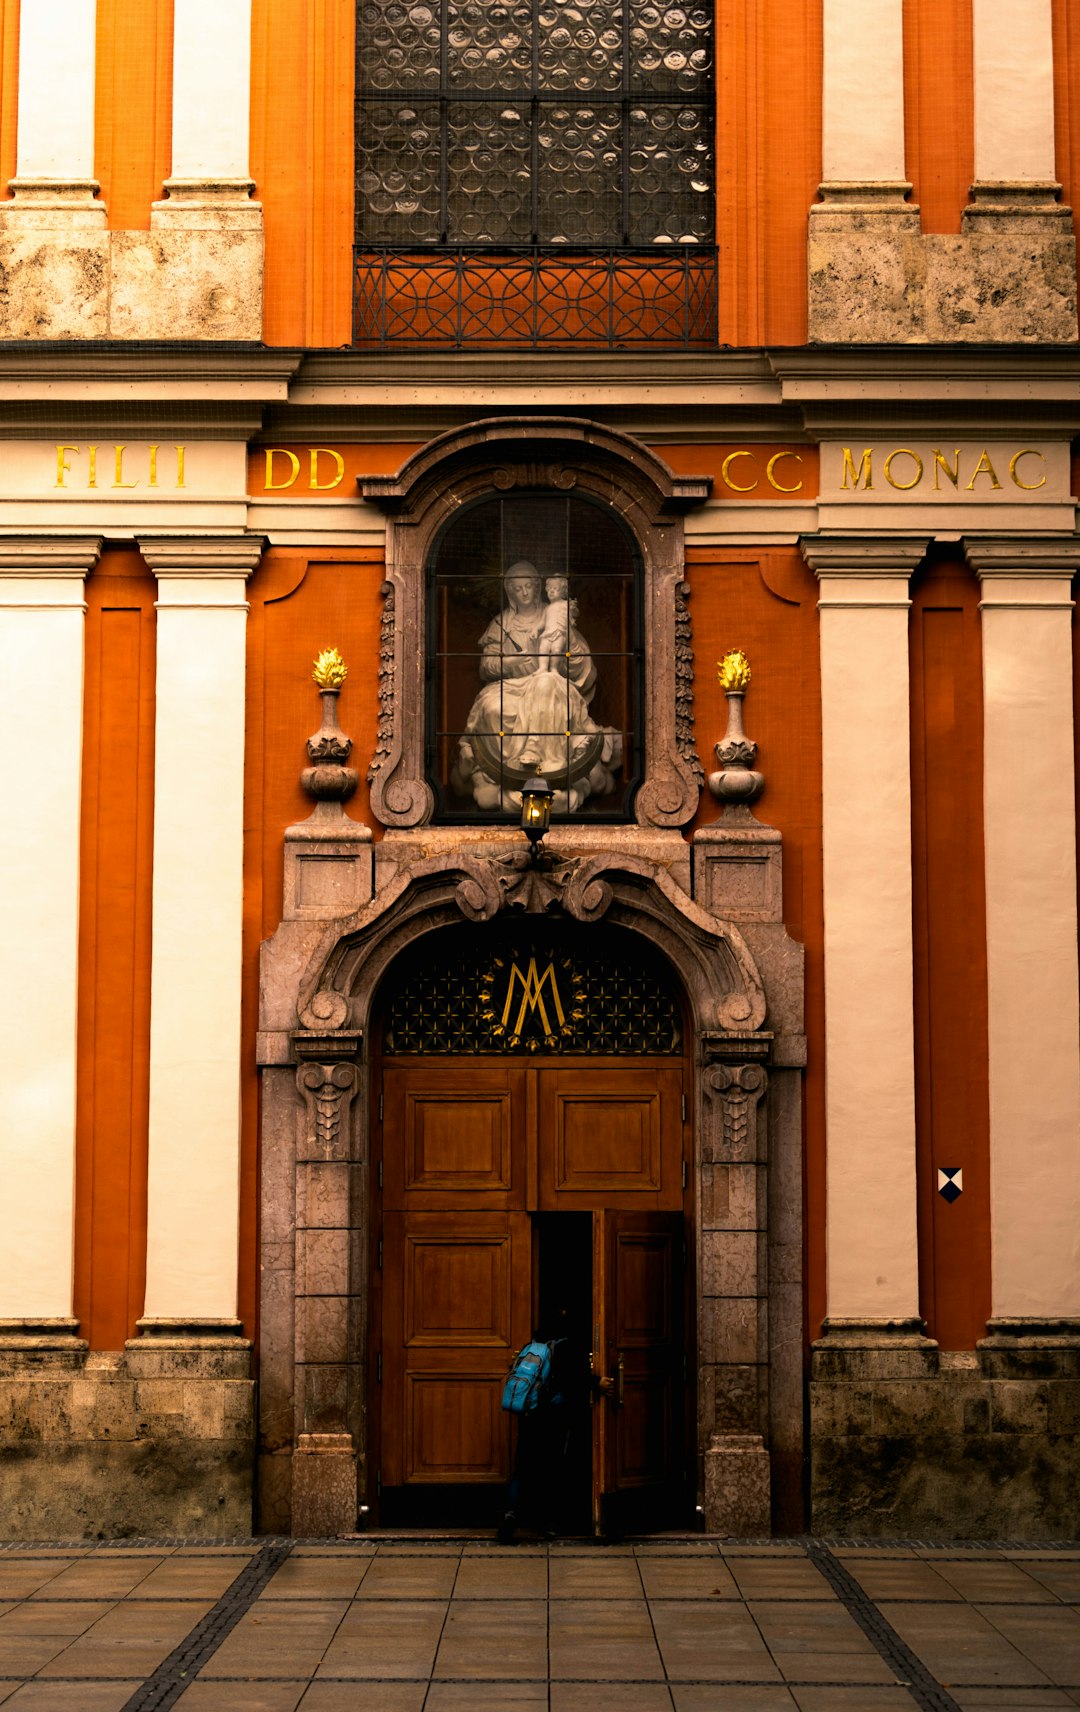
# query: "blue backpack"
{"type": "Point", "coordinates": [528, 1378]}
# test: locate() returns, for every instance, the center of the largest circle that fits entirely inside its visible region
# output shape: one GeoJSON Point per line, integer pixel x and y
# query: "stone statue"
{"type": "Point", "coordinates": [532, 714]}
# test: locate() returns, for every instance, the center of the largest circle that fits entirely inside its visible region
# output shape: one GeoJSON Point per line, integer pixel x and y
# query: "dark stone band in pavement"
{"type": "Point", "coordinates": [177, 1672]}
{"type": "Point", "coordinates": [908, 1669]}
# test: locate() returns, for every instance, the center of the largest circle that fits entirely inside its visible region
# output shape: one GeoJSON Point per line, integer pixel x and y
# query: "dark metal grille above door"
{"type": "Point", "coordinates": [535, 993]}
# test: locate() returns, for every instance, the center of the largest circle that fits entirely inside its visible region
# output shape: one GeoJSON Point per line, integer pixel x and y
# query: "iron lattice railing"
{"type": "Point", "coordinates": [614, 299]}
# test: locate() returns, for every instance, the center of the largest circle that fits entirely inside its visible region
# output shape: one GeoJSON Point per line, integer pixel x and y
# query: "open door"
{"type": "Point", "coordinates": [639, 1459]}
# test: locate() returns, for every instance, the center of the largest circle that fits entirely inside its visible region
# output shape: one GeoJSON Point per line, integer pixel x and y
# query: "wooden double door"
{"type": "Point", "coordinates": [508, 1190]}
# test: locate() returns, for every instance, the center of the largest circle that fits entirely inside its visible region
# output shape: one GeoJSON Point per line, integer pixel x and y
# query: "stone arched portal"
{"type": "Point", "coordinates": [316, 1189]}
{"type": "Point", "coordinates": [710, 906]}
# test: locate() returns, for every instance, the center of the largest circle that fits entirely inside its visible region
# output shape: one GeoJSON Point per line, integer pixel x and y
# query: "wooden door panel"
{"type": "Point", "coordinates": [457, 1289]}
{"type": "Point", "coordinates": [610, 1138]}
{"type": "Point", "coordinates": [456, 1304]}
{"type": "Point", "coordinates": [453, 1131]}
{"type": "Point", "coordinates": [455, 1430]}
{"type": "Point", "coordinates": [638, 1283]}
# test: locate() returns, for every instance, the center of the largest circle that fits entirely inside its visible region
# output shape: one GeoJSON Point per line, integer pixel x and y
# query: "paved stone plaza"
{"type": "Point", "coordinates": [422, 1625]}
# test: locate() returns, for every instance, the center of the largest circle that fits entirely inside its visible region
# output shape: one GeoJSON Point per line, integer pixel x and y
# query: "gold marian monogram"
{"type": "Point", "coordinates": [534, 992]}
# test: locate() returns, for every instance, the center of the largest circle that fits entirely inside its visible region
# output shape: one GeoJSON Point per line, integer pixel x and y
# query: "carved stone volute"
{"type": "Point", "coordinates": [328, 1079]}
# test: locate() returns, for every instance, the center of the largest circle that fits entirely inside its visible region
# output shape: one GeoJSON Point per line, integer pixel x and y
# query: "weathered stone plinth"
{"type": "Point", "coordinates": [155, 1439]}
{"type": "Point", "coordinates": [907, 1440]}
{"type": "Point", "coordinates": [324, 1485]}
{"type": "Point", "coordinates": [737, 1486]}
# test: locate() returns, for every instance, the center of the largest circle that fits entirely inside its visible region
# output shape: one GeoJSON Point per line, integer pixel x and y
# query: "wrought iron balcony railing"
{"type": "Point", "coordinates": [613, 299]}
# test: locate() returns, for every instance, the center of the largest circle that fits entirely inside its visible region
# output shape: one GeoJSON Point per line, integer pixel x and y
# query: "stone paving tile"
{"type": "Point", "coordinates": [611, 1697]}
{"type": "Point", "coordinates": [608, 1639]}
{"type": "Point", "coordinates": [386, 1639]}
{"type": "Point", "coordinates": [958, 1645]}
{"type": "Point", "coordinates": [284, 1638]}
{"type": "Point", "coordinates": [378, 1697]}
{"type": "Point", "coordinates": [687, 1578]}
{"type": "Point", "coordinates": [190, 1577]}
{"type": "Point", "coordinates": [210, 1696]}
{"type": "Point", "coordinates": [717, 1643]}
{"type": "Point", "coordinates": [20, 1579]}
{"type": "Point", "coordinates": [488, 1696]}
{"type": "Point", "coordinates": [1011, 1699]}
{"type": "Point", "coordinates": [902, 1578]}
{"type": "Point", "coordinates": [1049, 1635]}
{"type": "Point", "coordinates": [979, 1581]}
{"type": "Point", "coordinates": [49, 1618]}
{"type": "Point", "coordinates": [314, 1578]}
{"type": "Point", "coordinates": [783, 1579]}
{"type": "Point", "coordinates": [491, 1639]}
{"type": "Point", "coordinates": [702, 1697]}
{"type": "Point", "coordinates": [502, 1578]}
{"type": "Point", "coordinates": [395, 1577]}
{"type": "Point", "coordinates": [1062, 1578]}
{"type": "Point", "coordinates": [826, 1697]}
{"type": "Point", "coordinates": [103, 1577]}
{"type": "Point", "coordinates": [70, 1697]}
{"type": "Point", "coordinates": [594, 1578]}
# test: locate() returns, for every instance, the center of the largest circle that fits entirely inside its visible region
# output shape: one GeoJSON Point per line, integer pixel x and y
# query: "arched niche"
{"type": "Point", "coordinates": [514, 456]}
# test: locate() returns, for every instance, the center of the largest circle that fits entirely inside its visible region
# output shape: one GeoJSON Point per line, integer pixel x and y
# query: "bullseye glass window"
{"type": "Point", "coordinates": [535, 660]}
{"type": "Point", "coordinates": [485, 124]}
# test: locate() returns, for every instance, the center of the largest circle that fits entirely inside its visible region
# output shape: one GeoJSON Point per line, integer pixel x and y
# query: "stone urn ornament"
{"type": "Point", "coordinates": [735, 784]}
{"type": "Point", "coordinates": [329, 779]}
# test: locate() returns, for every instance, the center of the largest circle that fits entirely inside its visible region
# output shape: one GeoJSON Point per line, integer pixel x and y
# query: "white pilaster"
{"type": "Point", "coordinates": [194, 1154]}
{"type": "Point", "coordinates": [55, 146]}
{"type": "Point", "coordinates": [1031, 923]}
{"type": "Point", "coordinates": [872, 1243]}
{"type": "Point", "coordinates": [41, 719]}
{"type": "Point", "coordinates": [1014, 92]}
{"type": "Point", "coordinates": [211, 91]}
{"type": "Point", "coordinates": [863, 92]}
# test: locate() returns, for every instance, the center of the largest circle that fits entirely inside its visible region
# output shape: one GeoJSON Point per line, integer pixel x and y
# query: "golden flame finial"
{"type": "Point", "coordinates": [734, 670]}
{"type": "Point", "coordinates": [330, 670]}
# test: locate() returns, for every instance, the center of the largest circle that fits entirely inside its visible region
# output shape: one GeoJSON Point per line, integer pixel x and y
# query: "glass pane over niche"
{"type": "Point", "coordinates": [534, 609]}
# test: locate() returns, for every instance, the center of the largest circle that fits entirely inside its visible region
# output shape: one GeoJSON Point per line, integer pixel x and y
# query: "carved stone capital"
{"type": "Point", "coordinates": [328, 1091]}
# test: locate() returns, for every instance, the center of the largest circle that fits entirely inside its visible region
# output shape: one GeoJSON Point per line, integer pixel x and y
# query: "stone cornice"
{"type": "Point", "coordinates": [202, 556]}
{"type": "Point", "coordinates": [48, 555]}
{"type": "Point", "coordinates": [864, 556]}
{"type": "Point", "coordinates": [1015, 556]}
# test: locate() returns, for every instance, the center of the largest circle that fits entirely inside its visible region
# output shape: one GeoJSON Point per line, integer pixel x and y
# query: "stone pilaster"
{"type": "Point", "coordinates": [42, 627]}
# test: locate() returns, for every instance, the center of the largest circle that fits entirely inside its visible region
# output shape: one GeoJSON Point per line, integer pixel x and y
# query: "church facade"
{"type": "Point", "coordinates": [537, 555]}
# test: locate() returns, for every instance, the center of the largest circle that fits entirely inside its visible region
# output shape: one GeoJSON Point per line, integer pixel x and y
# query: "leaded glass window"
{"type": "Point", "coordinates": [481, 123]}
{"type": "Point", "coordinates": [534, 607]}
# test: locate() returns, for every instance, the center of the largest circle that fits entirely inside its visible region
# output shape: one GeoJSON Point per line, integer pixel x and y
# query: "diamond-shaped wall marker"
{"type": "Point", "coordinates": [950, 1182]}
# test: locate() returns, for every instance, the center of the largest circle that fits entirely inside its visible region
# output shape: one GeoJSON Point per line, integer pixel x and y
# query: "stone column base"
{"type": "Point", "coordinates": [737, 1486]}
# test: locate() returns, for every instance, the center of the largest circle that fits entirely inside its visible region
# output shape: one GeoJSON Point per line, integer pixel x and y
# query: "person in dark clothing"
{"type": "Point", "coordinates": [537, 1490]}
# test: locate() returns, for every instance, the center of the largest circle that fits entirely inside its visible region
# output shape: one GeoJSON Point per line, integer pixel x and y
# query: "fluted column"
{"type": "Point", "coordinates": [41, 730]}
{"type": "Point", "coordinates": [1031, 926]}
{"type": "Point", "coordinates": [872, 1244]}
{"type": "Point", "coordinates": [194, 1153]}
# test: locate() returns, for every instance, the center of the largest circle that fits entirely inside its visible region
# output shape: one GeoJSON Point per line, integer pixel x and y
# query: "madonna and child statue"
{"type": "Point", "coordinates": [531, 714]}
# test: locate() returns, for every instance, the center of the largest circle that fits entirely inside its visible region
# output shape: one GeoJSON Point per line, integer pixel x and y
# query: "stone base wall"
{"type": "Point", "coordinates": [156, 1439]}
{"type": "Point", "coordinates": [907, 1441]}
{"type": "Point", "coordinates": [876, 278]}
{"type": "Point", "coordinates": [196, 274]}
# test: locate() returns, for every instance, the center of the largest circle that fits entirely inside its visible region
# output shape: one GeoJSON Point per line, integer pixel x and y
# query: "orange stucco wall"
{"type": "Point", "coordinates": [116, 856]}
{"type": "Point", "coordinates": [948, 899]}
